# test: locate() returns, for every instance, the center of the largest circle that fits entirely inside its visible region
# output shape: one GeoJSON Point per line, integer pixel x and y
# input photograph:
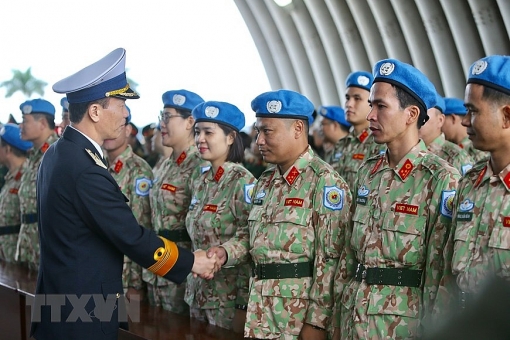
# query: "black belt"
{"type": "Point", "coordinates": [29, 218]}
{"type": "Point", "coordinates": [177, 235]}
{"type": "Point", "coordinates": [465, 299]}
{"type": "Point", "coordinates": [389, 276]}
{"type": "Point", "coordinates": [9, 229]}
{"type": "Point", "coordinates": [282, 270]}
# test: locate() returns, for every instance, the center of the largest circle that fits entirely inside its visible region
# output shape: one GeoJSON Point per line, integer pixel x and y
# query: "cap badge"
{"type": "Point", "coordinates": [324, 111]}
{"type": "Point", "coordinates": [274, 106]}
{"type": "Point", "coordinates": [386, 69]}
{"type": "Point", "coordinates": [179, 99]}
{"type": "Point", "coordinates": [211, 111]}
{"type": "Point", "coordinates": [479, 67]}
{"type": "Point", "coordinates": [362, 80]}
{"type": "Point", "coordinates": [27, 109]}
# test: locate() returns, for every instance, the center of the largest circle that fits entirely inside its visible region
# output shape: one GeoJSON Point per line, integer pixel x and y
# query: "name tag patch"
{"type": "Point", "coordinates": [168, 187]}
{"type": "Point", "coordinates": [406, 209]}
{"type": "Point", "coordinates": [210, 208]}
{"type": "Point", "coordinates": [294, 202]}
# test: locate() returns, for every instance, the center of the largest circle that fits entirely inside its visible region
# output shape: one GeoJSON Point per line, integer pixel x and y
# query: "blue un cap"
{"type": "Point", "coordinates": [102, 79]}
{"type": "Point", "coordinates": [10, 133]}
{"type": "Point", "coordinates": [454, 106]}
{"type": "Point", "coordinates": [65, 104]}
{"type": "Point", "coordinates": [361, 79]}
{"type": "Point", "coordinates": [37, 106]}
{"type": "Point", "coordinates": [219, 112]}
{"type": "Point", "coordinates": [335, 113]}
{"type": "Point", "coordinates": [409, 79]}
{"type": "Point", "coordinates": [181, 99]}
{"type": "Point", "coordinates": [492, 71]}
{"type": "Point", "coordinates": [283, 104]}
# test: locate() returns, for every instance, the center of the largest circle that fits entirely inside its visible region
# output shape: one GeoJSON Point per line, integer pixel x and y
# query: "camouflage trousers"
{"type": "Point", "coordinates": [8, 245]}
{"type": "Point", "coordinates": [27, 250]}
{"type": "Point", "coordinates": [131, 275]}
{"type": "Point", "coordinates": [221, 317]}
{"type": "Point", "coordinates": [170, 297]}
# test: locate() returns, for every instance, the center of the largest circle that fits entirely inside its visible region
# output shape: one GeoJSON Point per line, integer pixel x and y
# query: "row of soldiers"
{"type": "Point", "coordinates": [376, 246]}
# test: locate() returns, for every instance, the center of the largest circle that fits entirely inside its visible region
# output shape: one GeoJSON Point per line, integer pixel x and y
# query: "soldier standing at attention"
{"type": "Point", "coordinates": [170, 195]}
{"type": "Point", "coordinates": [359, 145]}
{"type": "Point", "coordinates": [38, 127]}
{"type": "Point", "coordinates": [134, 177]}
{"type": "Point", "coordinates": [436, 143]}
{"type": "Point", "coordinates": [479, 246]}
{"type": "Point", "coordinates": [455, 132]}
{"type": "Point", "coordinates": [300, 209]}
{"type": "Point", "coordinates": [219, 210]}
{"type": "Point", "coordinates": [13, 153]}
{"type": "Point", "coordinates": [391, 264]}
{"type": "Point", "coordinates": [334, 128]}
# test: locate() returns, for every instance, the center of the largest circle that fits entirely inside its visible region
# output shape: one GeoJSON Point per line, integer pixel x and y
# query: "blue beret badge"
{"type": "Point", "coordinates": [248, 192]}
{"type": "Point", "coordinates": [447, 197]}
{"type": "Point", "coordinates": [333, 198]}
{"type": "Point", "coordinates": [142, 186]}
{"type": "Point", "coordinates": [274, 106]}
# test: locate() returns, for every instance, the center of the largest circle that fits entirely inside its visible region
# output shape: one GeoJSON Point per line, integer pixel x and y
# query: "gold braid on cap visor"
{"type": "Point", "coordinates": [121, 91]}
{"type": "Point", "coordinates": [165, 258]}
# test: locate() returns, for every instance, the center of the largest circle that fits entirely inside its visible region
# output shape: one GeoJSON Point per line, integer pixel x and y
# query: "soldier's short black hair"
{"type": "Point", "coordinates": [405, 100]}
{"type": "Point", "coordinates": [495, 97]}
{"type": "Point", "coordinates": [77, 110]}
{"type": "Point", "coordinates": [17, 152]}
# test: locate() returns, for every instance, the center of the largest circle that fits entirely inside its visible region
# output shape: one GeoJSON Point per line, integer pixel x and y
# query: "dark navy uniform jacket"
{"type": "Point", "coordinates": [85, 228]}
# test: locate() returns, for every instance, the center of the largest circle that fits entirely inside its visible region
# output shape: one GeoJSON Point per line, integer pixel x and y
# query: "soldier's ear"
{"type": "Point", "coordinates": [93, 112]}
{"type": "Point", "coordinates": [413, 113]}
{"type": "Point", "coordinates": [299, 128]}
{"type": "Point", "coordinates": [505, 111]}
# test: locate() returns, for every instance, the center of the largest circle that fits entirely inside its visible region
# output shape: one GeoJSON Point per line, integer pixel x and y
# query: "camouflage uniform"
{"type": "Point", "coordinates": [9, 215]}
{"type": "Point", "coordinates": [479, 246]}
{"type": "Point", "coordinates": [451, 153]}
{"type": "Point", "coordinates": [333, 157]}
{"type": "Point", "coordinates": [356, 149]}
{"type": "Point", "coordinates": [476, 154]}
{"type": "Point", "coordinates": [27, 249]}
{"type": "Point", "coordinates": [219, 210]}
{"type": "Point", "coordinates": [296, 218]}
{"type": "Point", "coordinates": [134, 177]}
{"type": "Point", "coordinates": [170, 198]}
{"type": "Point", "coordinates": [401, 219]}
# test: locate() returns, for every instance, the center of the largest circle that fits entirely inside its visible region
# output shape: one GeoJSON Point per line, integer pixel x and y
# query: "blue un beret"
{"type": "Point", "coordinates": [219, 112]}
{"type": "Point", "coordinates": [104, 78]}
{"type": "Point", "coordinates": [10, 133]}
{"type": "Point", "coordinates": [283, 104]}
{"type": "Point", "coordinates": [65, 104]}
{"type": "Point", "coordinates": [454, 106]}
{"type": "Point", "coordinates": [409, 79]}
{"type": "Point", "coordinates": [37, 106]}
{"type": "Point", "coordinates": [440, 104]}
{"type": "Point", "coordinates": [181, 99]}
{"type": "Point", "coordinates": [361, 79]}
{"type": "Point", "coordinates": [492, 71]}
{"type": "Point", "coordinates": [335, 113]}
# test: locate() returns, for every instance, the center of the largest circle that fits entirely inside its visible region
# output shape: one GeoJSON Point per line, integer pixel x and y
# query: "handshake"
{"type": "Point", "coordinates": [208, 263]}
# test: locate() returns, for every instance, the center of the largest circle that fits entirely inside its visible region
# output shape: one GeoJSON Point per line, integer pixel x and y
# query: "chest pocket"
{"type": "Point", "coordinates": [462, 242]}
{"type": "Point", "coordinates": [402, 239]}
{"type": "Point", "coordinates": [499, 244]}
{"type": "Point", "coordinates": [292, 229]}
{"type": "Point", "coordinates": [360, 230]}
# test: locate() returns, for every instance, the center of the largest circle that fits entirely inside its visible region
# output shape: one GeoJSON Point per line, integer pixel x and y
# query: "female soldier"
{"type": "Point", "coordinates": [170, 195]}
{"type": "Point", "coordinates": [219, 209]}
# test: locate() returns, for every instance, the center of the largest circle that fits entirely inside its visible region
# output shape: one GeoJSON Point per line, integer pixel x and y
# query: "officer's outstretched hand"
{"type": "Point", "coordinates": [221, 256]}
{"type": "Point", "coordinates": [203, 265]}
{"type": "Point", "coordinates": [308, 332]}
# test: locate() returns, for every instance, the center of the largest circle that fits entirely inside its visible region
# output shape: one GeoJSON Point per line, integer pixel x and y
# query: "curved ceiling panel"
{"type": "Point", "coordinates": [311, 46]}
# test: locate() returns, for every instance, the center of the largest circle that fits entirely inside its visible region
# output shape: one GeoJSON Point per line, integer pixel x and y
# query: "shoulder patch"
{"type": "Point", "coordinates": [333, 197]}
{"type": "Point", "coordinates": [447, 197]}
{"type": "Point", "coordinates": [142, 186]}
{"type": "Point", "coordinates": [248, 192]}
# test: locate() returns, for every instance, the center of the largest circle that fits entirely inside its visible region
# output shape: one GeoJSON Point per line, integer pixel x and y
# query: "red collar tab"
{"type": "Point", "coordinates": [363, 136]}
{"type": "Point", "coordinates": [44, 147]}
{"type": "Point", "coordinates": [219, 174]}
{"type": "Point", "coordinates": [181, 158]}
{"type": "Point", "coordinates": [118, 166]}
{"type": "Point", "coordinates": [406, 169]}
{"type": "Point", "coordinates": [293, 174]}
{"type": "Point", "coordinates": [377, 165]}
{"type": "Point", "coordinates": [480, 177]}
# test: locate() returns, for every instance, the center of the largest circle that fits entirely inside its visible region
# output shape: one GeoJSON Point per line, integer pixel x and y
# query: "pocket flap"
{"type": "Point", "coordinates": [402, 301]}
{"type": "Point", "coordinates": [403, 223]}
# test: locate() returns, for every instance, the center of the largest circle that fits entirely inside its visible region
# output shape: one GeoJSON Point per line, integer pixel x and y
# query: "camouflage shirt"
{"type": "Point", "coordinates": [333, 157]}
{"type": "Point", "coordinates": [297, 216]}
{"type": "Point", "coordinates": [28, 242]}
{"type": "Point", "coordinates": [9, 213]}
{"type": "Point", "coordinates": [170, 198]}
{"type": "Point", "coordinates": [476, 154]}
{"type": "Point", "coordinates": [356, 149]}
{"type": "Point", "coordinates": [451, 153]}
{"type": "Point", "coordinates": [401, 219]}
{"type": "Point", "coordinates": [219, 210]}
{"type": "Point", "coordinates": [481, 227]}
{"type": "Point", "coordinates": [134, 177]}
